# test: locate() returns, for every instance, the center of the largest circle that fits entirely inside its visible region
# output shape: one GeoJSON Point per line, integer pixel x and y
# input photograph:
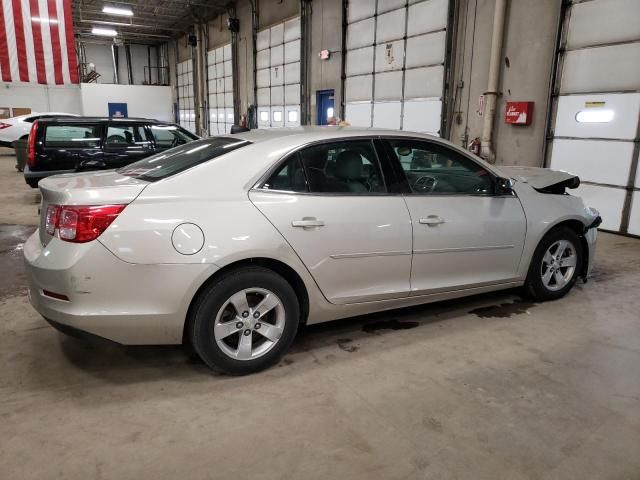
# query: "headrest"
{"type": "Point", "coordinates": [349, 165]}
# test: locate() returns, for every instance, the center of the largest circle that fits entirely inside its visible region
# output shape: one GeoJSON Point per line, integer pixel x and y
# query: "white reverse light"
{"type": "Point", "coordinates": [105, 32]}
{"type": "Point", "coordinates": [125, 12]}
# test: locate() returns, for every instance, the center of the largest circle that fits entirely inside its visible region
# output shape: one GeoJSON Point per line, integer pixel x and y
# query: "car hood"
{"type": "Point", "coordinates": [542, 179]}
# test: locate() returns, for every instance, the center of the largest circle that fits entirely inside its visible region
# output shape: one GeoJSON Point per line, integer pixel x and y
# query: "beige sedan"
{"type": "Point", "coordinates": [231, 243]}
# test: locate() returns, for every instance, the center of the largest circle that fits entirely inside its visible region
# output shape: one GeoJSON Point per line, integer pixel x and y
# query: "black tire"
{"type": "Point", "coordinates": [534, 286]}
{"type": "Point", "coordinates": [209, 303]}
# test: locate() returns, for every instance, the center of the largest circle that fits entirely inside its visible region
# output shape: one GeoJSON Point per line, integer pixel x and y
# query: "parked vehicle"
{"type": "Point", "coordinates": [65, 145]}
{"type": "Point", "coordinates": [16, 128]}
{"type": "Point", "coordinates": [232, 242]}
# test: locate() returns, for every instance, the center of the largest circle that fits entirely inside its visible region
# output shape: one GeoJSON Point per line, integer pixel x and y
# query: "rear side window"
{"type": "Point", "coordinates": [175, 160]}
{"type": "Point", "coordinates": [72, 136]}
{"type": "Point", "coordinates": [168, 136]}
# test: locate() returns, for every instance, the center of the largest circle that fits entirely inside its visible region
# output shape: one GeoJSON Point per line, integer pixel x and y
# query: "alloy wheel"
{"type": "Point", "coordinates": [558, 265]}
{"type": "Point", "coordinates": [249, 323]}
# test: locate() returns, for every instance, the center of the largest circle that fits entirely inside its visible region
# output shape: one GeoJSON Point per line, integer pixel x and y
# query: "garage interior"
{"type": "Point", "coordinates": [491, 386]}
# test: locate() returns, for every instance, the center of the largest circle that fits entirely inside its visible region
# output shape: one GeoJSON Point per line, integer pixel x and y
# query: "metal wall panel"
{"type": "Point", "coordinates": [614, 68]}
{"type": "Point", "coordinates": [595, 161]}
{"type": "Point", "coordinates": [424, 82]}
{"type": "Point", "coordinates": [623, 125]}
{"type": "Point", "coordinates": [389, 56]}
{"type": "Point", "coordinates": [427, 16]}
{"type": "Point", "coordinates": [220, 75]}
{"type": "Point", "coordinates": [361, 34]}
{"type": "Point", "coordinates": [278, 74]}
{"type": "Point", "coordinates": [603, 21]}
{"type": "Point", "coordinates": [396, 40]}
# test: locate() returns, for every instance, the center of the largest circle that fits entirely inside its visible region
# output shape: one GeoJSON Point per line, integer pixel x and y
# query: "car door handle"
{"type": "Point", "coordinates": [432, 220]}
{"type": "Point", "coordinates": [307, 222]}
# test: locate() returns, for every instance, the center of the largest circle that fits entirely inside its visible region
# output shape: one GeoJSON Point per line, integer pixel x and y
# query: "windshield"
{"type": "Point", "coordinates": [175, 160]}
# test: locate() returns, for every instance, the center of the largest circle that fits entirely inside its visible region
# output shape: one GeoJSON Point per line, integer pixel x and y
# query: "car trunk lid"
{"type": "Point", "coordinates": [101, 188]}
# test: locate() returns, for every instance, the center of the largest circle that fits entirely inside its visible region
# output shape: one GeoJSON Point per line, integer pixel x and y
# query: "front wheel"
{"type": "Point", "coordinates": [244, 321]}
{"type": "Point", "coordinates": [555, 265]}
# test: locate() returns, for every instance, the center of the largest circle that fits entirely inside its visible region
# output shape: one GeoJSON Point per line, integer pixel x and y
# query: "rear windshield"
{"type": "Point", "coordinates": [178, 159]}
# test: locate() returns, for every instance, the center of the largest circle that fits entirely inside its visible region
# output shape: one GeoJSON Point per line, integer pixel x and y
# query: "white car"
{"type": "Point", "coordinates": [16, 128]}
{"type": "Point", "coordinates": [232, 242]}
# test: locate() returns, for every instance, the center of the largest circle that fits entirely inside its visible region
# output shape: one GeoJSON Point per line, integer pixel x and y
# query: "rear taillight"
{"type": "Point", "coordinates": [4, 125]}
{"type": "Point", "coordinates": [80, 224]}
{"type": "Point", "coordinates": [31, 146]}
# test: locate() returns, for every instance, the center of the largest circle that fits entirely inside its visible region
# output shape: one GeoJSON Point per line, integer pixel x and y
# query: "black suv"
{"type": "Point", "coordinates": [76, 144]}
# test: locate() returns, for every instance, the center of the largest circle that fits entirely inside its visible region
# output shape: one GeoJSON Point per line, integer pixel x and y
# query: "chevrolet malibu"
{"type": "Point", "coordinates": [232, 242]}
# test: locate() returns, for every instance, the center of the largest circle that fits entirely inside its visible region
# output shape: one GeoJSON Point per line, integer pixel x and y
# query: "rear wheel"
{"type": "Point", "coordinates": [245, 321]}
{"type": "Point", "coordinates": [555, 266]}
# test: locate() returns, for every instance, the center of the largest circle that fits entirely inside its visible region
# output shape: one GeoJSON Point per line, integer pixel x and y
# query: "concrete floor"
{"type": "Point", "coordinates": [490, 388]}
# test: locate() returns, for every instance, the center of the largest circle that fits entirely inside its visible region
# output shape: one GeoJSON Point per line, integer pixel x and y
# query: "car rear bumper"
{"type": "Point", "coordinates": [131, 304]}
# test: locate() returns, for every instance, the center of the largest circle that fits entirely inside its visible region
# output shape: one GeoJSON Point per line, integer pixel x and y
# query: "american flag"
{"type": "Point", "coordinates": [37, 42]}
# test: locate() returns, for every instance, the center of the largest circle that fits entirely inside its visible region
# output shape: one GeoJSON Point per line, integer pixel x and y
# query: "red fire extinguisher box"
{"type": "Point", "coordinates": [518, 113]}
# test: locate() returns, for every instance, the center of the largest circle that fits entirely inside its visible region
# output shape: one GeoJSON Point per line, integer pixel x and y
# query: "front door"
{"type": "Point", "coordinates": [125, 143]}
{"type": "Point", "coordinates": [331, 203]}
{"type": "Point", "coordinates": [464, 236]}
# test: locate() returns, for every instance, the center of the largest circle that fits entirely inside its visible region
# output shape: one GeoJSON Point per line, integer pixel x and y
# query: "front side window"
{"type": "Point", "coordinates": [431, 168]}
{"type": "Point", "coordinates": [123, 136]}
{"type": "Point", "coordinates": [169, 136]}
{"type": "Point", "coordinates": [170, 162]}
{"type": "Point", "coordinates": [350, 167]}
{"type": "Point", "coordinates": [72, 135]}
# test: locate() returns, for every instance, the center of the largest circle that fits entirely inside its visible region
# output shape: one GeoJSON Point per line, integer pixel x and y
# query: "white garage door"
{"type": "Point", "coordinates": [278, 75]}
{"type": "Point", "coordinates": [598, 108]}
{"type": "Point", "coordinates": [395, 63]}
{"type": "Point", "coordinates": [186, 112]}
{"type": "Point", "coordinates": [220, 75]}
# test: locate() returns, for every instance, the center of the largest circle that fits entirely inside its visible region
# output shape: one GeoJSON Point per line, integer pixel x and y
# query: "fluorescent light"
{"type": "Point", "coordinates": [44, 20]}
{"type": "Point", "coordinates": [117, 11]}
{"type": "Point", "coordinates": [595, 116]}
{"type": "Point", "coordinates": [105, 32]}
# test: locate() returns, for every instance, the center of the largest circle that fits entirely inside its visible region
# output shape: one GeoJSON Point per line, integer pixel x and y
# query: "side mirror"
{"type": "Point", "coordinates": [504, 186]}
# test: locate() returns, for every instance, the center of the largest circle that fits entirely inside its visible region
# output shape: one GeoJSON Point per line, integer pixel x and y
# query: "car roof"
{"type": "Point", "coordinates": [103, 119]}
{"type": "Point", "coordinates": [321, 133]}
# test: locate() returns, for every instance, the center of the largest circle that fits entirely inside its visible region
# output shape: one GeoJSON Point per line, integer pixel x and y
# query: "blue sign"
{"type": "Point", "coordinates": [118, 110]}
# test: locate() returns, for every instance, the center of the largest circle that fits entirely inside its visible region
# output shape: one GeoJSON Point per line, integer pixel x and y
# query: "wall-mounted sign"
{"type": "Point", "coordinates": [118, 110]}
{"type": "Point", "coordinates": [518, 113]}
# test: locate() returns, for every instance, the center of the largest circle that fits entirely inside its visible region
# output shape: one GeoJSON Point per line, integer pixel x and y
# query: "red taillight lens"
{"type": "Point", "coordinates": [4, 125]}
{"type": "Point", "coordinates": [81, 224]}
{"type": "Point", "coordinates": [31, 146]}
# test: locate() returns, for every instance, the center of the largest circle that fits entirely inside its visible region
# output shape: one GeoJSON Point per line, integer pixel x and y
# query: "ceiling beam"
{"type": "Point", "coordinates": [129, 25]}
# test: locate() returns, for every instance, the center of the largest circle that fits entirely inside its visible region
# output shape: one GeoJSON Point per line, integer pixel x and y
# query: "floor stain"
{"type": "Point", "coordinates": [504, 310]}
{"type": "Point", "coordinates": [12, 238]}
{"type": "Point", "coordinates": [346, 345]}
{"type": "Point", "coordinates": [392, 324]}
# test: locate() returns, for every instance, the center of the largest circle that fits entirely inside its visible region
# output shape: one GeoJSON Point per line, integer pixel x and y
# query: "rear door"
{"type": "Point", "coordinates": [67, 145]}
{"type": "Point", "coordinates": [464, 235]}
{"type": "Point", "coordinates": [332, 204]}
{"type": "Point", "coordinates": [125, 143]}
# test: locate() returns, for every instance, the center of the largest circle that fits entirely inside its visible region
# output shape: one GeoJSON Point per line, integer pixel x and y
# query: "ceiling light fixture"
{"type": "Point", "coordinates": [105, 32]}
{"type": "Point", "coordinates": [124, 11]}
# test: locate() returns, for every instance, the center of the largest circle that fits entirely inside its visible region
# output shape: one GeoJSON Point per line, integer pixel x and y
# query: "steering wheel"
{"type": "Point", "coordinates": [426, 184]}
{"type": "Point", "coordinates": [480, 187]}
{"type": "Point", "coordinates": [116, 140]}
